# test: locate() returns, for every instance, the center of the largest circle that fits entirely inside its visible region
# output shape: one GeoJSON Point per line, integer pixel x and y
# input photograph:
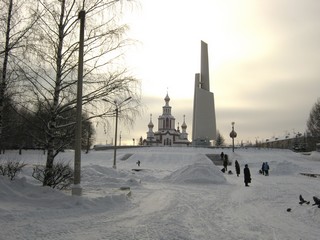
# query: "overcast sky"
{"type": "Point", "coordinates": [264, 59]}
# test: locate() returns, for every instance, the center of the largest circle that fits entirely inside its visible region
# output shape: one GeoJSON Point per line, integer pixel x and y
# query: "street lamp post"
{"type": "Point", "coordinates": [116, 128]}
{"type": "Point", "coordinates": [233, 135]}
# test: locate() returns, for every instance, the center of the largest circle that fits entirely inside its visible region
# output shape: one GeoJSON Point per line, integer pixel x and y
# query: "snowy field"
{"type": "Point", "coordinates": [178, 194]}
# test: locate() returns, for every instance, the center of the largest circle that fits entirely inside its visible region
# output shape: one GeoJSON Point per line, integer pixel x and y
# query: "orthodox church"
{"type": "Point", "coordinates": [167, 134]}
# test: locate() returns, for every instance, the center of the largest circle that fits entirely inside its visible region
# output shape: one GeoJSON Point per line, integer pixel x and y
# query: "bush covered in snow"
{"type": "Point", "coordinates": [60, 176]}
{"type": "Point", "coordinates": [11, 168]}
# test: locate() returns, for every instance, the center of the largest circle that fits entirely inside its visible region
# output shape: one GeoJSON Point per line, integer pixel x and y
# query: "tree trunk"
{"type": "Point", "coordinates": [4, 72]}
{"type": "Point", "coordinates": [49, 163]}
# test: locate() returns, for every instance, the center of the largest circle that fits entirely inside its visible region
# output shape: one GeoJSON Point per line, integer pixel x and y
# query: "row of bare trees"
{"type": "Point", "coordinates": [39, 56]}
{"type": "Point", "coordinates": [24, 130]}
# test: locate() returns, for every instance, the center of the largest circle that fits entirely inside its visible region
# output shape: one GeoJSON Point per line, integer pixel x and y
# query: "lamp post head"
{"type": "Point", "coordinates": [233, 134]}
{"type": "Point", "coordinates": [115, 102]}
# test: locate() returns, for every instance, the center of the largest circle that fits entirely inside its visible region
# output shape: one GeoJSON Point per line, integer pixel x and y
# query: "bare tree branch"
{"type": "Point", "coordinates": [50, 69]}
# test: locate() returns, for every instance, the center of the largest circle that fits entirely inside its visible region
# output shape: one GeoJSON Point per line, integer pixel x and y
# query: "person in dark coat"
{"type": "Point", "coordinates": [247, 175]}
{"type": "Point", "coordinates": [266, 169]}
{"type": "Point", "coordinates": [237, 168]}
{"type": "Point", "coordinates": [225, 162]}
{"type": "Point", "coordinates": [222, 155]}
{"type": "Point", "coordinates": [262, 168]}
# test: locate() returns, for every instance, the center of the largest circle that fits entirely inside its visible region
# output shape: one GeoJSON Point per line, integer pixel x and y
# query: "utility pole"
{"type": "Point", "coordinates": [115, 140]}
{"type": "Point", "coordinates": [117, 106]}
{"type": "Point", "coordinates": [76, 189]}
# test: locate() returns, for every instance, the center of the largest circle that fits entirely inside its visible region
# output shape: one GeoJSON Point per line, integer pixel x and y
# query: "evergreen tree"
{"type": "Point", "coordinates": [141, 141]}
{"type": "Point", "coordinates": [219, 140]}
{"type": "Point", "coordinates": [313, 122]}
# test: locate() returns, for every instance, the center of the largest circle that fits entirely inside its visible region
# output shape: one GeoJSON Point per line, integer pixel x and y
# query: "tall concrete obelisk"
{"type": "Point", "coordinates": [204, 117]}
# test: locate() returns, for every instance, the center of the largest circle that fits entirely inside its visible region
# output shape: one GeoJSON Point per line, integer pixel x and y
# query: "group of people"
{"type": "Point", "coordinates": [247, 175]}
{"type": "Point", "coordinates": [246, 171]}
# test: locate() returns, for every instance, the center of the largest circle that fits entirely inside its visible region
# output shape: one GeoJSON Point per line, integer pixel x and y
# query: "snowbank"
{"type": "Point", "coordinates": [315, 156]}
{"type": "Point", "coordinates": [285, 168]}
{"type": "Point", "coordinates": [202, 172]}
{"type": "Point", "coordinates": [23, 194]}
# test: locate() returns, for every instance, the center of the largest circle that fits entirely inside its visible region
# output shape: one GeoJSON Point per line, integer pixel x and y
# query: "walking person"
{"type": "Point", "coordinates": [225, 162]}
{"type": "Point", "coordinates": [266, 169]}
{"type": "Point", "coordinates": [262, 168]}
{"type": "Point", "coordinates": [222, 156]}
{"type": "Point", "coordinates": [247, 175]}
{"type": "Point", "coordinates": [237, 166]}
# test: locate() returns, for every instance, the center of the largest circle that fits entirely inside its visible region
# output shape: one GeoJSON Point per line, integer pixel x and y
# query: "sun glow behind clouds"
{"type": "Point", "coordinates": [262, 56]}
{"type": "Point", "coordinates": [170, 34]}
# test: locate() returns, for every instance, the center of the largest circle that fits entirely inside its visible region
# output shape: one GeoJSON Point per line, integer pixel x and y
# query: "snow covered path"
{"type": "Point", "coordinates": [185, 198]}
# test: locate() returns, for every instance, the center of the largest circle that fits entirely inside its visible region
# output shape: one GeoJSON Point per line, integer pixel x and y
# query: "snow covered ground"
{"type": "Point", "coordinates": [178, 194]}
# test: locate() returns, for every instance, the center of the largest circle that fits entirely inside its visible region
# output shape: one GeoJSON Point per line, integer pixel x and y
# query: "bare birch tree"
{"type": "Point", "coordinates": [52, 66]}
{"type": "Point", "coordinates": [15, 24]}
